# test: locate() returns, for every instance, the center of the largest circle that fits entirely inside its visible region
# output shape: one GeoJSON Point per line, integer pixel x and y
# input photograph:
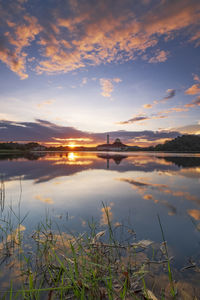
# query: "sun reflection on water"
{"type": "Point", "coordinates": [72, 156]}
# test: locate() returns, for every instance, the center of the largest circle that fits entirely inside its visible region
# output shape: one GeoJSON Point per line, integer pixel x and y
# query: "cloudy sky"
{"type": "Point", "coordinates": [72, 70]}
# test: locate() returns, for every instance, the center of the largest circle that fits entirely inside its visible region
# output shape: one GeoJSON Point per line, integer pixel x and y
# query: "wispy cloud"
{"type": "Point", "coordinates": [194, 213]}
{"type": "Point", "coordinates": [194, 102]}
{"type": "Point", "coordinates": [160, 114]}
{"type": "Point", "coordinates": [160, 56]}
{"type": "Point", "coordinates": [19, 36]}
{"type": "Point", "coordinates": [139, 118]}
{"type": "Point", "coordinates": [177, 109]}
{"type": "Point", "coordinates": [147, 105]}
{"type": "Point", "coordinates": [170, 94]}
{"type": "Point", "coordinates": [188, 129]}
{"type": "Point", "coordinates": [107, 86]}
{"type": "Point", "coordinates": [195, 38]}
{"type": "Point", "coordinates": [84, 81]}
{"type": "Point", "coordinates": [196, 77]}
{"type": "Point", "coordinates": [46, 102]}
{"type": "Point", "coordinates": [172, 110]}
{"type": "Point", "coordinates": [116, 79]}
{"type": "Point", "coordinates": [193, 90]}
{"type": "Point", "coordinates": [134, 119]}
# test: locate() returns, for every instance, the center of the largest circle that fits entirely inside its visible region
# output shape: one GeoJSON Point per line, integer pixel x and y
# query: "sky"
{"type": "Point", "coordinates": [72, 71]}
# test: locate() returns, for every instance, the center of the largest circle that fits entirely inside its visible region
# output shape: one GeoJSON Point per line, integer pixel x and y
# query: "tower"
{"type": "Point", "coordinates": [107, 138]}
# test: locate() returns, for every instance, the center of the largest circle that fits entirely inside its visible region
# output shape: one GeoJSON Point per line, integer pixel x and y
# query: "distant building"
{"type": "Point", "coordinates": [39, 148]}
{"type": "Point", "coordinates": [116, 146]}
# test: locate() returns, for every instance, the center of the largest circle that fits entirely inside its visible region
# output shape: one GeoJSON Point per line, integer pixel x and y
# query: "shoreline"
{"type": "Point", "coordinates": [96, 151]}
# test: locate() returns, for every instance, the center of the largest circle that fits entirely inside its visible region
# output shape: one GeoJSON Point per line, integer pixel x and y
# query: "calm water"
{"type": "Point", "coordinates": [134, 186]}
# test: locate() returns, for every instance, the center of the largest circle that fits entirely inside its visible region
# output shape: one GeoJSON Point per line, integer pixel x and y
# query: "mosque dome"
{"type": "Point", "coordinates": [116, 146]}
{"type": "Point", "coordinates": [117, 140]}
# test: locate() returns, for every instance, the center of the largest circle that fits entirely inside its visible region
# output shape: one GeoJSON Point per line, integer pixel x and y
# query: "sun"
{"type": "Point", "coordinates": [72, 145]}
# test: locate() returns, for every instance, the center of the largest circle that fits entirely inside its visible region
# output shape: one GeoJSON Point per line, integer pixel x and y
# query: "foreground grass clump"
{"type": "Point", "coordinates": [93, 265]}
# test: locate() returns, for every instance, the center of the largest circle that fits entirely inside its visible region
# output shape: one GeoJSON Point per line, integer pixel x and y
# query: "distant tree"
{"type": "Point", "coordinates": [184, 143]}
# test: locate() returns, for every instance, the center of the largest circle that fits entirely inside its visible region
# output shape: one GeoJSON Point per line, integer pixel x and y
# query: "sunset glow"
{"type": "Point", "coordinates": [72, 145]}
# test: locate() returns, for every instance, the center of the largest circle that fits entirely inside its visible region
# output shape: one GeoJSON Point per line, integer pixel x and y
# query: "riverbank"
{"type": "Point", "coordinates": [180, 144]}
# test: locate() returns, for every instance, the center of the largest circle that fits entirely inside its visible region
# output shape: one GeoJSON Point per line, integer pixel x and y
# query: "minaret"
{"type": "Point", "coordinates": [108, 163]}
{"type": "Point", "coordinates": [108, 139]}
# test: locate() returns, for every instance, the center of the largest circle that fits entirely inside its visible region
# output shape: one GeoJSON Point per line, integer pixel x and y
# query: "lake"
{"type": "Point", "coordinates": [136, 187]}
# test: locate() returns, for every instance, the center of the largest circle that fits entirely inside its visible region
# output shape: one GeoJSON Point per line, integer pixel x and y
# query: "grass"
{"type": "Point", "coordinates": [2, 194]}
{"type": "Point", "coordinates": [92, 265]}
{"type": "Point", "coordinates": [172, 288]}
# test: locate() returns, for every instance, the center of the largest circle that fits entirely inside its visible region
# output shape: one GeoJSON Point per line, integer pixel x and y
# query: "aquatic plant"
{"type": "Point", "coordinates": [91, 265]}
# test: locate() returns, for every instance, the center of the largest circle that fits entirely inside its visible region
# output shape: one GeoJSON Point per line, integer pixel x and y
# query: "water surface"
{"type": "Point", "coordinates": [135, 187]}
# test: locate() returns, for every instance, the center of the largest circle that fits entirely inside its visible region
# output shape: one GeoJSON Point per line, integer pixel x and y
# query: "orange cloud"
{"type": "Point", "coordinates": [194, 213]}
{"type": "Point", "coordinates": [178, 109]}
{"type": "Point", "coordinates": [147, 105]}
{"type": "Point", "coordinates": [14, 62]}
{"type": "Point", "coordinates": [160, 56]}
{"type": "Point", "coordinates": [105, 36]}
{"type": "Point", "coordinates": [193, 90]}
{"type": "Point", "coordinates": [148, 197]}
{"type": "Point", "coordinates": [23, 34]}
{"type": "Point", "coordinates": [117, 80]}
{"type": "Point", "coordinates": [96, 33]}
{"type": "Point", "coordinates": [196, 38]}
{"type": "Point", "coordinates": [195, 102]}
{"type": "Point", "coordinates": [173, 110]}
{"type": "Point", "coordinates": [196, 78]}
{"type": "Point", "coordinates": [19, 36]}
{"type": "Point", "coordinates": [172, 16]}
{"type": "Point", "coordinates": [47, 102]}
{"type": "Point", "coordinates": [107, 86]}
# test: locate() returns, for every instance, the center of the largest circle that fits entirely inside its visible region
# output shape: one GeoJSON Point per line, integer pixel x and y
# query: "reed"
{"type": "Point", "coordinates": [91, 265]}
